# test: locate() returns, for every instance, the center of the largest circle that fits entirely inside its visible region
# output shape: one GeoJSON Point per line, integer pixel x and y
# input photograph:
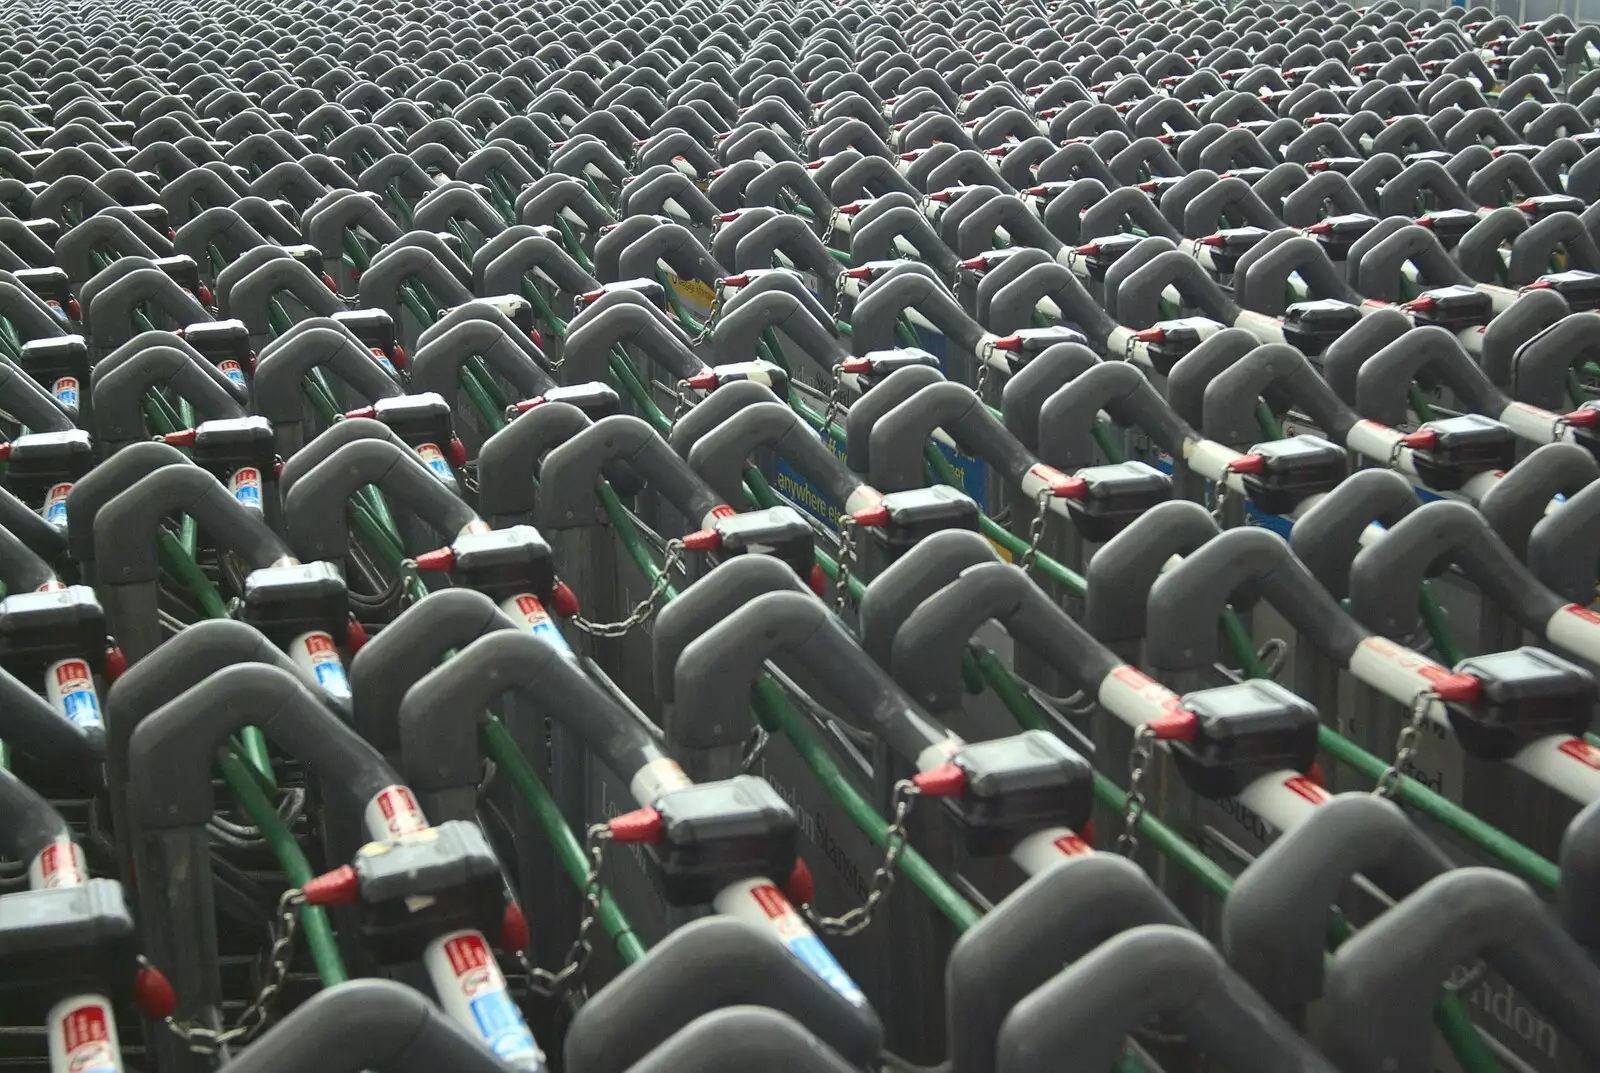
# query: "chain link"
{"type": "Point", "coordinates": [833, 225]}
{"type": "Point", "coordinates": [847, 556]}
{"type": "Point", "coordinates": [857, 920]}
{"type": "Point", "coordinates": [208, 1041]}
{"type": "Point", "coordinates": [1144, 751]}
{"type": "Point", "coordinates": [1405, 746]}
{"type": "Point", "coordinates": [645, 608]}
{"type": "Point", "coordinates": [680, 400]}
{"type": "Point", "coordinates": [710, 323]}
{"type": "Point", "coordinates": [835, 400]}
{"type": "Point", "coordinates": [1219, 500]}
{"type": "Point", "coordinates": [753, 750]}
{"type": "Point", "coordinates": [1041, 505]}
{"type": "Point", "coordinates": [983, 377]}
{"type": "Point", "coordinates": [570, 975]}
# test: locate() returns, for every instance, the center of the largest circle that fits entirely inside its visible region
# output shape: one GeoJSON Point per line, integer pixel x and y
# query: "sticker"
{"type": "Point", "coordinates": [70, 687]}
{"type": "Point", "coordinates": [794, 934]}
{"type": "Point", "coordinates": [383, 359]}
{"type": "Point", "coordinates": [973, 473]}
{"type": "Point", "coordinates": [55, 505]}
{"type": "Point", "coordinates": [393, 812]}
{"type": "Point", "coordinates": [245, 484]}
{"type": "Point", "coordinates": [1581, 751]}
{"type": "Point", "coordinates": [1307, 789]}
{"type": "Point", "coordinates": [434, 459]}
{"type": "Point", "coordinates": [66, 391]}
{"type": "Point", "coordinates": [472, 990]}
{"type": "Point", "coordinates": [1072, 846]}
{"type": "Point", "coordinates": [692, 290]}
{"type": "Point", "coordinates": [233, 371]}
{"type": "Point", "coordinates": [60, 864]}
{"type": "Point", "coordinates": [316, 653]}
{"type": "Point", "coordinates": [88, 1038]}
{"type": "Point", "coordinates": [529, 614]}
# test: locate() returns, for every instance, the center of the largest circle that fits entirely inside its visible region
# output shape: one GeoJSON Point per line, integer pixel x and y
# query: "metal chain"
{"type": "Point", "coordinates": [680, 400]}
{"type": "Point", "coordinates": [1405, 746]}
{"type": "Point", "coordinates": [208, 1041]}
{"type": "Point", "coordinates": [1219, 500]}
{"type": "Point", "coordinates": [710, 323]}
{"type": "Point", "coordinates": [835, 399]}
{"type": "Point", "coordinates": [856, 920]}
{"type": "Point", "coordinates": [565, 979]}
{"type": "Point", "coordinates": [753, 750]}
{"type": "Point", "coordinates": [1144, 751]}
{"type": "Point", "coordinates": [983, 378]}
{"type": "Point", "coordinates": [645, 608]}
{"type": "Point", "coordinates": [833, 225]}
{"type": "Point", "coordinates": [1036, 529]}
{"type": "Point", "coordinates": [847, 555]}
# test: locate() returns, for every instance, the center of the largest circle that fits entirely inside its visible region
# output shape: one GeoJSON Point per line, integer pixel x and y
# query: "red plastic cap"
{"type": "Point", "coordinates": [116, 664]}
{"type": "Point", "coordinates": [437, 561]}
{"type": "Point", "coordinates": [640, 825]}
{"type": "Point", "coordinates": [855, 365]}
{"type": "Point", "coordinates": [1457, 688]}
{"type": "Point", "coordinates": [1528, 205]}
{"type": "Point", "coordinates": [360, 411]}
{"type": "Point", "coordinates": [740, 280]}
{"type": "Point", "coordinates": [563, 601]}
{"type": "Point", "coordinates": [703, 540]}
{"type": "Point", "coordinates": [1010, 343]}
{"type": "Point", "coordinates": [857, 273]}
{"type": "Point", "coordinates": [1317, 165]}
{"type": "Point", "coordinates": [979, 262]}
{"type": "Point", "coordinates": [1540, 285]}
{"type": "Point", "coordinates": [1150, 335]}
{"type": "Point", "coordinates": [153, 993]}
{"type": "Point", "coordinates": [327, 281]}
{"type": "Point", "coordinates": [337, 887]}
{"type": "Point", "coordinates": [702, 381]}
{"type": "Point", "coordinates": [1248, 464]}
{"type": "Point", "coordinates": [1582, 418]}
{"type": "Point", "coordinates": [204, 294]}
{"type": "Point", "coordinates": [871, 517]}
{"type": "Point", "coordinates": [1065, 487]}
{"type": "Point", "coordinates": [456, 453]}
{"type": "Point", "coordinates": [1176, 725]}
{"type": "Point", "coordinates": [1320, 228]}
{"type": "Point", "coordinates": [355, 636]}
{"type": "Point", "coordinates": [1087, 833]}
{"type": "Point", "coordinates": [74, 310]}
{"type": "Point", "coordinates": [514, 932]}
{"type": "Point", "coordinates": [1214, 241]}
{"type": "Point", "coordinates": [1089, 249]}
{"type": "Point", "coordinates": [800, 888]}
{"type": "Point", "coordinates": [1424, 439]}
{"type": "Point", "coordinates": [817, 581]}
{"type": "Point", "coordinates": [1425, 304]}
{"type": "Point", "coordinates": [946, 780]}
{"type": "Point", "coordinates": [184, 437]}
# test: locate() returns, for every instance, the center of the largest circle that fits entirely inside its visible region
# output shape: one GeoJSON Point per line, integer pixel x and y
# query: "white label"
{"type": "Point", "coordinates": [1265, 328]}
{"type": "Point", "coordinates": [66, 391]}
{"type": "Point", "coordinates": [1045, 849]}
{"type": "Point", "coordinates": [1397, 672]}
{"type": "Point", "coordinates": [529, 614]}
{"type": "Point", "coordinates": [55, 506]}
{"type": "Point", "coordinates": [658, 777]}
{"type": "Point", "coordinates": [393, 813]}
{"type": "Point", "coordinates": [1209, 458]}
{"type": "Point", "coordinates": [472, 991]}
{"type": "Point", "coordinates": [60, 864]}
{"type": "Point", "coordinates": [1135, 698]}
{"type": "Point", "coordinates": [1533, 424]}
{"type": "Point", "coordinates": [383, 361]}
{"type": "Point", "coordinates": [434, 459]}
{"type": "Point", "coordinates": [1576, 630]}
{"type": "Point", "coordinates": [245, 484]}
{"type": "Point", "coordinates": [1283, 799]}
{"type": "Point", "coordinates": [317, 655]}
{"type": "Point", "coordinates": [758, 902]}
{"type": "Point", "coordinates": [83, 1036]}
{"type": "Point", "coordinates": [1372, 440]}
{"type": "Point", "coordinates": [69, 687]}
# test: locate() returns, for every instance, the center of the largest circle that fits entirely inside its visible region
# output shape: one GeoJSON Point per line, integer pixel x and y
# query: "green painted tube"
{"type": "Point", "coordinates": [1433, 618]}
{"type": "Point", "coordinates": [324, 948]}
{"type": "Point", "coordinates": [504, 752]}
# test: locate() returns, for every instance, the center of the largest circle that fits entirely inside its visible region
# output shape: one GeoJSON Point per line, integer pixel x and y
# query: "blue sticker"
{"type": "Point", "coordinates": [807, 497]}
{"type": "Point", "coordinates": [82, 708]}
{"type": "Point", "coordinates": [814, 956]}
{"type": "Point", "coordinates": [330, 676]}
{"type": "Point", "coordinates": [502, 1028]}
{"type": "Point", "coordinates": [67, 396]}
{"type": "Point", "coordinates": [249, 495]}
{"type": "Point", "coordinates": [56, 512]}
{"type": "Point", "coordinates": [934, 343]}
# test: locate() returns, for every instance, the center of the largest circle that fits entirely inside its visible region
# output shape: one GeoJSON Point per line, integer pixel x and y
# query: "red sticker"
{"type": "Point", "coordinates": [72, 671]}
{"type": "Point", "coordinates": [85, 1025]}
{"type": "Point", "coordinates": [1582, 751]}
{"type": "Point", "coordinates": [318, 644]}
{"type": "Point", "coordinates": [771, 901]}
{"type": "Point", "coordinates": [1072, 845]}
{"type": "Point", "coordinates": [1307, 789]}
{"type": "Point", "coordinates": [1584, 613]}
{"type": "Point", "coordinates": [467, 953]}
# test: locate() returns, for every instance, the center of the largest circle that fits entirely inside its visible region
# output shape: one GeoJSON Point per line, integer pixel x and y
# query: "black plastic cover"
{"type": "Point", "coordinates": [777, 531]}
{"type": "Point", "coordinates": [504, 563]}
{"type": "Point", "coordinates": [1021, 784]}
{"type": "Point", "coordinates": [286, 601]}
{"type": "Point", "coordinates": [1523, 695]}
{"type": "Point", "coordinates": [38, 628]}
{"type": "Point", "coordinates": [64, 941]}
{"type": "Point", "coordinates": [1115, 496]}
{"type": "Point", "coordinates": [1296, 468]}
{"type": "Point", "coordinates": [420, 886]}
{"type": "Point", "coordinates": [717, 833]}
{"type": "Point", "coordinates": [920, 512]}
{"type": "Point", "coordinates": [1245, 731]}
{"type": "Point", "coordinates": [1311, 326]}
{"type": "Point", "coordinates": [1468, 445]}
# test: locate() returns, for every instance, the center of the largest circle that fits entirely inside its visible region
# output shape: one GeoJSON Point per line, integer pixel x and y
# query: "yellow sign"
{"type": "Point", "coordinates": [692, 290]}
